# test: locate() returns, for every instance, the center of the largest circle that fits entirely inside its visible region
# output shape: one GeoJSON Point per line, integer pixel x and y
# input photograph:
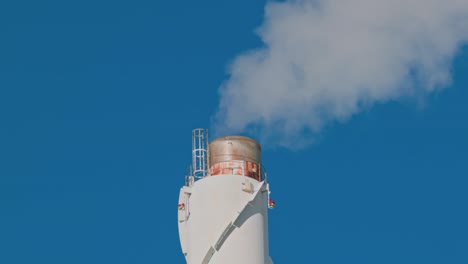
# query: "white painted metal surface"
{"type": "Point", "coordinates": [223, 222]}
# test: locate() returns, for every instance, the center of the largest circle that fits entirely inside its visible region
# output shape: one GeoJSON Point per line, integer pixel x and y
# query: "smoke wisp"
{"type": "Point", "coordinates": [323, 61]}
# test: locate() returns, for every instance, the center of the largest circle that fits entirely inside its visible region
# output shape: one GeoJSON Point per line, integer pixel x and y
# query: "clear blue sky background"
{"type": "Point", "coordinates": [97, 103]}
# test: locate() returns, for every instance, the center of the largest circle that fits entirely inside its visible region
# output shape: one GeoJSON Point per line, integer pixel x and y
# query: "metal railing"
{"type": "Point", "coordinates": [239, 167]}
{"type": "Point", "coordinates": [200, 152]}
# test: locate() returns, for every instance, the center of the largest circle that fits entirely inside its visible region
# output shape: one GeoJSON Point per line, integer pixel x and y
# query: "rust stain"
{"type": "Point", "coordinates": [237, 156]}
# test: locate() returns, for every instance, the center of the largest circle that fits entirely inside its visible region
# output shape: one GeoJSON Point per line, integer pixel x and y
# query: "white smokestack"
{"type": "Point", "coordinates": [324, 61]}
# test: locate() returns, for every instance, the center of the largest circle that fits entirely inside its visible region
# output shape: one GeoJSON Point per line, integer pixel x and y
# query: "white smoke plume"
{"type": "Point", "coordinates": [323, 61]}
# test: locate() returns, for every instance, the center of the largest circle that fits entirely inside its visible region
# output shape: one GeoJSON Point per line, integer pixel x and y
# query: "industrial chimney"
{"type": "Point", "coordinates": [223, 207]}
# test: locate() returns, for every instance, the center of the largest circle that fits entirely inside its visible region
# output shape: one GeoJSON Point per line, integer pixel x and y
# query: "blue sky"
{"type": "Point", "coordinates": [97, 103]}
